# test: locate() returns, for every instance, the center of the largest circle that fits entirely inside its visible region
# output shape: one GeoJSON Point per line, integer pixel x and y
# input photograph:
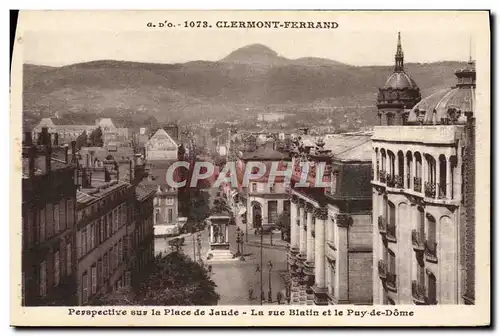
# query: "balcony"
{"type": "Point", "coordinates": [390, 180]}
{"type": "Point", "coordinates": [391, 232]}
{"type": "Point", "coordinates": [418, 293]}
{"type": "Point", "coordinates": [382, 175]}
{"type": "Point", "coordinates": [391, 282]}
{"type": "Point", "coordinates": [430, 189]}
{"type": "Point", "coordinates": [430, 251]}
{"type": "Point", "coordinates": [382, 269]}
{"type": "Point", "coordinates": [417, 241]}
{"type": "Point", "coordinates": [417, 184]}
{"type": "Point", "coordinates": [399, 181]}
{"type": "Point", "coordinates": [382, 225]}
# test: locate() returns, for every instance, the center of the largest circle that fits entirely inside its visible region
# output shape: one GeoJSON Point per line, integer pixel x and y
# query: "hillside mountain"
{"type": "Point", "coordinates": [249, 80]}
{"type": "Point", "coordinates": [258, 54]}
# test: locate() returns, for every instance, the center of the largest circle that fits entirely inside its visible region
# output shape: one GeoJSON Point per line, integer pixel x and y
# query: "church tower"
{"type": "Point", "coordinates": [399, 94]}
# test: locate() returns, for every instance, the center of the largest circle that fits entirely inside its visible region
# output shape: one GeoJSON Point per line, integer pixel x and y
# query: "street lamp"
{"type": "Point", "coordinates": [242, 252]}
{"type": "Point", "coordinates": [238, 240]}
{"type": "Point", "coordinates": [270, 294]}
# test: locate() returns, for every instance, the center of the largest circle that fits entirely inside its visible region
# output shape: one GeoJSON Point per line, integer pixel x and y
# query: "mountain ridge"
{"type": "Point", "coordinates": [256, 77]}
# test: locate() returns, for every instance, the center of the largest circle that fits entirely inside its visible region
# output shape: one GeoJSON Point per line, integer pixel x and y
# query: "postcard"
{"type": "Point", "coordinates": [250, 168]}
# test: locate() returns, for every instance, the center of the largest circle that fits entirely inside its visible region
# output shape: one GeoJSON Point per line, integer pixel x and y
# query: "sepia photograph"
{"type": "Point", "coordinates": [262, 168]}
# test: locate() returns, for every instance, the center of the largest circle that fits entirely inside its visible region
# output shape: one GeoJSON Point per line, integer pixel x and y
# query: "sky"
{"type": "Point", "coordinates": [369, 40]}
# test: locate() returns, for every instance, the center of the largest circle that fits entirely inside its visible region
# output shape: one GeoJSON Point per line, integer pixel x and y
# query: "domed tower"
{"type": "Point", "coordinates": [399, 94]}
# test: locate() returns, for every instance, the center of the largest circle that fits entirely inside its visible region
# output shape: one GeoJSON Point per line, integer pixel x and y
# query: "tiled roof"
{"type": "Point", "coordinates": [264, 153]}
{"type": "Point", "coordinates": [350, 146]}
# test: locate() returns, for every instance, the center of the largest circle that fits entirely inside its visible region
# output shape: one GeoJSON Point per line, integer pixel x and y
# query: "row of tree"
{"type": "Point", "coordinates": [174, 280]}
{"type": "Point", "coordinates": [92, 140]}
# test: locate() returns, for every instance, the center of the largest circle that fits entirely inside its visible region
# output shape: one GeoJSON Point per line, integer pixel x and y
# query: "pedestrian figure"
{"type": "Point", "coordinates": [278, 297]}
{"type": "Point", "coordinates": [262, 296]}
{"type": "Point", "coordinates": [257, 269]}
{"type": "Point", "coordinates": [250, 294]}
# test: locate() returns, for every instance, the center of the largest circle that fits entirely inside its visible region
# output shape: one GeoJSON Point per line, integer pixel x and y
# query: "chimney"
{"type": "Point", "coordinates": [28, 141]}
{"type": "Point", "coordinates": [45, 137]}
{"type": "Point", "coordinates": [48, 149]}
{"type": "Point", "coordinates": [117, 171]}
{"type": "Point", "coordinates": [107, 176]}
{"type": "Point", "coordinates": [73, 152]}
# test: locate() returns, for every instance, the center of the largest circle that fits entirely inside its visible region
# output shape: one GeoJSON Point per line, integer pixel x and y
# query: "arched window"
{"type": "Point", "coordinates": [391, 220]}
{"type": "Point", "coordinates": [442, 184]}
{"type": "Point", "coordinates": [431, 238]}
{"type": "Point", "coordinates": [430, 183]}
{"type": "Point", "coordinates": [409, 162]}
{"type": "Point", "coordinates": [417, 178]}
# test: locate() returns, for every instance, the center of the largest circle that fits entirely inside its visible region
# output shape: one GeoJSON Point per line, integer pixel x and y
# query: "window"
{"type": "Point", "coordinates": [56, 218]}
{"type": "Point", "coordinates": [111, 259]}
{"type": "Point", "coordinates": [68, 259]}
{"type": "Point", "coordinates": [105, 266]}
{"type": "Point", "coordinates": [254, 187]}
{"type": "Point", "coordinates": [42, 234]}
{"type": "Point", "coordinates": [157, 216]}
{"type": "Point", "coordinates": [272, 208]}
{"type": "Point", "coordinates": [99, 272]}
{"type": "Point", "coordinates": [170, 216]}
{"type": "Point", "coordinates": [110, 232]}
{"type": "Point", "coordinates": [432, 288]}
{"type": "Point", "coordinates": [92, 237]}
{"type": "Point", "coordinates": [115, 220]}
{"type": "Point", "coordinates": [85, 288]}
{"type": "Point", "coordinates": [390, 119]}
{"type": "Point", "coordinates": [93, 273]}
{"type": "Point", "coordinates": [286, 206]}
{"type": "Point", "coordinates": [170, 201]}
{"type": "Point", "coordinates": [43, 279]}
{"type": "Point", "coordinates": [120, 250]}
{"type": "Point", "coordinates": [101, 230]}
{"type": "Point", "coordinates": [62, 214]}
{"type": "Point", "coordinates": [50, 220]}
{"type": "Point", "coordinates": [84, 242]}
{"type": "Point", "coordinates": [391, 223]}
{"type": "Point", "coordinates": [57, 268]}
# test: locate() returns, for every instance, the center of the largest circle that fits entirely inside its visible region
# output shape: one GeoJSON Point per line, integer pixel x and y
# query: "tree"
{"type": "Point", "coordinates": [220, 206]}
{"type": "Point", "coordinates": [174, 280]}
{"type": "Point", "coordinates": [283, 224]}
{"type": "Point", "coordinates": [195, 206]}
{"type": "Point", "coordinates": [213, 132]}
{"type": "Point", "coordinates": [81, 140]}
{"type": "Point", "coordinates": [123, 296]}
{"type": "Point", "coordinates": [96, 138]}
{"type": "Point", "coordinates": [176, 244]}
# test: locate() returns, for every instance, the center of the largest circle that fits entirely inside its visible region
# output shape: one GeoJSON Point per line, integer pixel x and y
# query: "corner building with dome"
{"type": "Point", "coordinates": [423, 186]}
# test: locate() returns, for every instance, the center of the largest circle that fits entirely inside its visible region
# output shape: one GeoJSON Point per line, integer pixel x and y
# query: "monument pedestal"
{"type": "Point", "coordinates": [219, 240]}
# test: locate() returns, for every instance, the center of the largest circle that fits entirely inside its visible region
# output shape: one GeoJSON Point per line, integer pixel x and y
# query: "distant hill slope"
{"type": "Point", "coordinates": [253, 76]}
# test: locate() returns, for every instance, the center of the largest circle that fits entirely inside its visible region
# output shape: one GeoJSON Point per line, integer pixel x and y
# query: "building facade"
{"type": "Point", "coordinates": [260, 196]}
{"type": "Point", "coordinates": [423, 192]}
{"type": "Point", "coordinates": [67, 133]}
{"type": "Point", "coordinates": [330, 254]}
{"type": "Point", "coordinates": [112, 228]}
{"type": "Point", "coordinates": [48, 219]}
